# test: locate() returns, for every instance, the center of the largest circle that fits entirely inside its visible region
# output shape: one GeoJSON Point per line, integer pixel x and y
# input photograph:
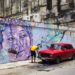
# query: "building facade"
{"type": "Point", "coordinates": [49, 11]}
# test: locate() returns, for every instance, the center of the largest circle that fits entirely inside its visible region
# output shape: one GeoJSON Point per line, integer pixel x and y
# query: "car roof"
{"type": "Point", "coordinates": [62, 44]}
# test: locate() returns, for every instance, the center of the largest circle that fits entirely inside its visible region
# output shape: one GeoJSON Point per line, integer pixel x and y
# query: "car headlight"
{"type": "Point", "coordinates": [39, 55]}
{"type": "Point", "coordinates": [51, 55]}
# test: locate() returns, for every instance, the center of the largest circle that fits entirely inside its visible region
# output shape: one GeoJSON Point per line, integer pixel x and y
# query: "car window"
{"type": "Point", "coordinates": [52, 46]}
{"type": "Point", "coordinates": [55, 46]}
{"type": "Point", "coordinates": [70, 47]}
{"type": "Point", "coordinates": [63, 48]}
{"type": "Point", "coordinates": [67, 47]}
{"type": "Point", "coordinates": [58, 47]}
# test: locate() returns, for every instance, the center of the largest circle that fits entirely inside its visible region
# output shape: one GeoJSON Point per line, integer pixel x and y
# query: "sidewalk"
{"type": "Point", "coordinates": [14, 64]}
{"type": "Point", "coordinates": [17, 64]}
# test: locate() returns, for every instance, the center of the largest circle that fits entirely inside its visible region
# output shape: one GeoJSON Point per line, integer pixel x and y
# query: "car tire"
{"type": "Point", "coordinates": [58, 60]}
{"type": "Point", "coordinates": [73, 57]}
{"type": "Point", "coordinates": [43, 61]}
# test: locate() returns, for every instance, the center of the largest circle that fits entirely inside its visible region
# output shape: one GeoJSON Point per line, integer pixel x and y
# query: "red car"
{"type": "Point", "coordinates": [57, 52]}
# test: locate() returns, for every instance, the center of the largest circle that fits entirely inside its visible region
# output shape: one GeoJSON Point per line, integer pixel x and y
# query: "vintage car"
{"type": "Point", "coordinates": [57, 52]}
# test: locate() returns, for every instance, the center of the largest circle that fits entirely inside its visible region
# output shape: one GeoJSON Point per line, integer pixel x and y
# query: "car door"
{"type": "Point", "coordinates": [68, 51]}
{"type": "Point", "coordinates": [65, 52]}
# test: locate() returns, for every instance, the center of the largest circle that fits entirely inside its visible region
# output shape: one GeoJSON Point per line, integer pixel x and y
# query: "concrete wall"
{"type": "Point", "coordinates": [44, 35]}
{"type": "Point", "coordinates": [19, 39]}
{"type": "Point", "coordinates": [17, 36]}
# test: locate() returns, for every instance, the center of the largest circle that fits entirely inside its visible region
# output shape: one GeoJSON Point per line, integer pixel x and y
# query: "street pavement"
{"type": "Point", "coordinates": [64, 68]}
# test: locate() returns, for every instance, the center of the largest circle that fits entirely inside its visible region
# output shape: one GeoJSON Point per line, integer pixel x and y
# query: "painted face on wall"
{"type": "Point", "coordinates": [17, 39]}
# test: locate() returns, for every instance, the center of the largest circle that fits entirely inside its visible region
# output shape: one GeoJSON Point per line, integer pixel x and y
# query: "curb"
{"type": "Point", "coordinates": [14, 64]}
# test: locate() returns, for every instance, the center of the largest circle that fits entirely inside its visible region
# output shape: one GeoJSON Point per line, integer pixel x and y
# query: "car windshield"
{"type": "Point", "coordinates": [55, 46]}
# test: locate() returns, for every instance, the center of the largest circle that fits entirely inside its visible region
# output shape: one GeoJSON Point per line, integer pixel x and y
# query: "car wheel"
{"type": "Point", "coordinates": [43, 61]}
{"type": "Point", "coordinates": [58, 60]}
{"type": "Point", "coordinates": [73, 57]}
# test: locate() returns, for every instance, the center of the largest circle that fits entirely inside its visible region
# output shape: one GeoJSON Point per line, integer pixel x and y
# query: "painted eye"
{"type": "Point", "coordinates": [11, 38]}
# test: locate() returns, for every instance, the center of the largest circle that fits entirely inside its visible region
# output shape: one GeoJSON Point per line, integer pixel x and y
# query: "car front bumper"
{"type": "Point", "coordinates": [46, 58]}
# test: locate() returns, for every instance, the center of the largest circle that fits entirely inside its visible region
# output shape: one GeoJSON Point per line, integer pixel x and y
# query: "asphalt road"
{"type": "Point", "coordinates": [64, 68]}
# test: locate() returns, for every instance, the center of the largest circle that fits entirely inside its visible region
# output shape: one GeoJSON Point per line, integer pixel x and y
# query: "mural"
{"type": "Point", "coordinates": [46, 36]}
{"type": "Point", "coordinates": [15, 43]}
{"type": "Point", "coordinates": [17, 36]}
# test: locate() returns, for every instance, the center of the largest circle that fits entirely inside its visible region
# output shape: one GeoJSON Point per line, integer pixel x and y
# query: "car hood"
{"type": "Point", "coordinates": [51, 51]}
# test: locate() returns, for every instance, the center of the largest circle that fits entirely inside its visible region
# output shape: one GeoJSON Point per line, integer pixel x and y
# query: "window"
{"type": "Point", "coordinates": [54, 46]}
{"type": "Point", "coordinates": [42, 2]}
{"type": "Point", "coordinates": [67, 47]}
{"type": "Point", "coordinates": [71, 3]}
{"type": "Point", "coordinates": [59, 6]}
{"type": "Point", "coordinates": [13, 1]}
{"type": "Point", "coordinates": [49, 4]}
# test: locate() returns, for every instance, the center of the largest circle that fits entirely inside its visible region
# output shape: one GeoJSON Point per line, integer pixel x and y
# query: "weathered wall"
{"type": "Point", "coordinates": [45, 36]}
{"type": "Point", "coordinates": [15, 43]}
{"type": "Point", "coordinates": [17, 38]}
